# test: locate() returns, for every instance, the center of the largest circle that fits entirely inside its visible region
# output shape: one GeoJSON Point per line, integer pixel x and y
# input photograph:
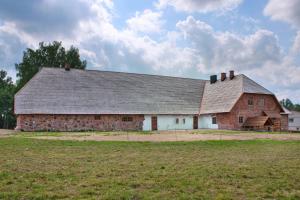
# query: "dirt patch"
{"type": "Point", "coordinates": [6, 132]}
{"type": "Point", "coordinates": [170, 137]}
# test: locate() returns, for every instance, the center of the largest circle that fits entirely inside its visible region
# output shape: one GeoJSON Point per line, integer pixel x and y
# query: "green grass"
{"type": "Point", "coordinates": [43, 169]}
{"type": "Point", "coordinates": [210, 131]}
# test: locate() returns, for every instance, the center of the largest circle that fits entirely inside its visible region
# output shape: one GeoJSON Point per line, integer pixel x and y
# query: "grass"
{"type": "Point", "coordinates": [43, 169]}
{"type": "Point", "coordinates": [217, 131]}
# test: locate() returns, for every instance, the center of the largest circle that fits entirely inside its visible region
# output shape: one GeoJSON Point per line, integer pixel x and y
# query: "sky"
{"type": "Point", "coordinates": [187, 38]}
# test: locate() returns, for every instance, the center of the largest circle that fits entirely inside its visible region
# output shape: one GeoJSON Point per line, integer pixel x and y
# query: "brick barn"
{"type": "Point", "coordinates": [58, 99]}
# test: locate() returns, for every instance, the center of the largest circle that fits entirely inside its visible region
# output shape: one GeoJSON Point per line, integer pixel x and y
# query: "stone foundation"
{"type": "Point", "coordinates": [79, 122]}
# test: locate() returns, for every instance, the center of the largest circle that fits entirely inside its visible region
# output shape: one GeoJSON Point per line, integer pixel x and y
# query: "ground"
{"type": "Point", "coordinates": [162, 136]}
{"type": "Point", "coordinates": [32, 168]}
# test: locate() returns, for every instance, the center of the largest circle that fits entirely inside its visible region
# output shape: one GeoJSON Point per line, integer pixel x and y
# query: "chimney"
{"type": "Point", "coordinates": [231, 74]}
{"type": "Point", "coordinates": [223, 76]}
{"type": "Point", "coordinates": [213, 79]}
{"type": "Point", "coordinates": [67, 67]}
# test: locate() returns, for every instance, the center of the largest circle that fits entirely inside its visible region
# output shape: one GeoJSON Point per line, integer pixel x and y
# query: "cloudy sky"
{"type": "Point", "coordinates": [189, 38]}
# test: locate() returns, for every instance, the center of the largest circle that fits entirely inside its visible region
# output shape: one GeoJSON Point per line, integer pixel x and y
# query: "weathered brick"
{"type": "Point", "coordinates": [241, 108]}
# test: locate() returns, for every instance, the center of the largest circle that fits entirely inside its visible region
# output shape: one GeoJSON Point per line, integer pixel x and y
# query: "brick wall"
{"type": "Point", "coordinates": [241, 108]}
{"type": "Point", "coordinates": [78, 122]}
{"type": "Point", "coordinates": [284, 122]}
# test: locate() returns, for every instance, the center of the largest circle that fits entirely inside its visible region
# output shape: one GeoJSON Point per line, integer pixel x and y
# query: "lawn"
{"type": "Point", "coordinates": [44, 169]}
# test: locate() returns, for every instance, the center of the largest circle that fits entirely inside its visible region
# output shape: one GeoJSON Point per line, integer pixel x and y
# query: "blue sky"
{"type": "Point", "coordinates": [189, 38]}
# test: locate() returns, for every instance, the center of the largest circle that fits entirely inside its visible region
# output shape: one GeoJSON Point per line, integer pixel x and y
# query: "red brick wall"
{"type": "Point", "coordinates": [284, 122]}
{"type": "Point", "coordinates": [241, 108]}
{"type": "Point", "coordinates": [78, 122]}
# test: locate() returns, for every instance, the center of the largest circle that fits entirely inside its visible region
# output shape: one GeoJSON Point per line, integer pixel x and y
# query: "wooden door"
{"type": "Point", "coordinates": [154, 123]}
{"type": "Point", "coordinates": [195, 122]}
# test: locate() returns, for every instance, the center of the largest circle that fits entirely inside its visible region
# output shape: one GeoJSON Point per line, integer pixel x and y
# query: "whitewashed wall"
{"type": "Point", "coordinates": [295, 125]}
{"type": "Point", "coordinates": [205, 121]}
{"type": "Point", "coordinates": [147, 123]}
{"type": "Point", "coordinates": [168, 122]}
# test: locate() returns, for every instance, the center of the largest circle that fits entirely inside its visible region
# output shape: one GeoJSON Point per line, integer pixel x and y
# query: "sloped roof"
{"type": "Point", "coordinates": [56, 91]}
{"type": "Point", "coordinates": [221, 96]}
{"type": "Point", "coordinates": [272, 114]}
{"type": "Point", "coordinates": [257, 121]}
{"type": "Point", "coordinates": [285, 110]}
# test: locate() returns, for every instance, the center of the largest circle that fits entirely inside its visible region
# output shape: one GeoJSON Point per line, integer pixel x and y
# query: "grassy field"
{"type": "Point", "coordinates": [42, 169]}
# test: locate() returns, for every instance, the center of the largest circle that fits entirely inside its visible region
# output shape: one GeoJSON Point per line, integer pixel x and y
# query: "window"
{"type": "Point", "coordinates": [250, 101]}
{"type": "Point", "coordinates": [127, 119]}
{"type": "Point", "coordinates": [183, 120]}
{"type": "Point", "coordinates": [261, 102]}
{"type": "Point", "coordinates": [97, 117]}
{"type": "Point", "coordinates": [214, 120]}
{"type": "Point", "coordinates": [177, 121]}
{"type": "Point", "coordinates": [241, 119]}
{"type": "Point", "coordinates": [291, 120]}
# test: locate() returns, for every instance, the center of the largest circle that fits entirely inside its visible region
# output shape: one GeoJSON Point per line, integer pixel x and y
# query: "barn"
{"type": "Point", "coordinates": [58, 99]}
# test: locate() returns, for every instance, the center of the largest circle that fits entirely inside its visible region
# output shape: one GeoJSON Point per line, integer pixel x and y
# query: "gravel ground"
{"type": "Point", "coordinates": [166, 137]}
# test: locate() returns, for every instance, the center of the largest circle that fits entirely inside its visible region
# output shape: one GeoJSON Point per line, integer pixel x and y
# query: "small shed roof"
{"type": "Point", "coordinates": [272, 114]}
{"type": "Point", "coordinates": [258, 121]}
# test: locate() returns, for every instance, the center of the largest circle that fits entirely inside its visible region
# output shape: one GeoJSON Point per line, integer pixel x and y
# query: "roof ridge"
{"type": "Point", "coordinates": [106, 71]}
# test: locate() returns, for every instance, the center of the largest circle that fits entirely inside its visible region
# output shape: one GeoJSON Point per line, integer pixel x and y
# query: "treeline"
{"type": "Point", "coordinates": [287, 103]}
{"type": "Point", "coordinates": [47, 55]}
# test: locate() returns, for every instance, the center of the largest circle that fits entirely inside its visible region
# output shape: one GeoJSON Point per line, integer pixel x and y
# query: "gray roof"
{"type": "Point", "coordinates": [56, 91]}
{"type": "Point", "coordinates": [221, 96]}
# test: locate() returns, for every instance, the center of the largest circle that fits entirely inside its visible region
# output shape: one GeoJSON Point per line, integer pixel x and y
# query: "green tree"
{"type": "Point", "coordinates": [7, 91]}
{"type": "Point", "coordinates": [47, 55]}
{"type": "Point", "coordinates": [287, 103]}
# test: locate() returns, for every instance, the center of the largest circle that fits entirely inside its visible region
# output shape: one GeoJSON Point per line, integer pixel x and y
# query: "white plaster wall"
{"type": "Point", "coordinates": [294, 126]}
{"type": "Point", "coordinates": [168, 122]}
{"type": "Point", "coordinates": [205, 121]}
{"type": "Point", "coordinates": [147, 123]}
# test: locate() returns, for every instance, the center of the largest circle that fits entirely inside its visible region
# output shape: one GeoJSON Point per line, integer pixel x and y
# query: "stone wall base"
{"type": "Point", "coordinates": [45, 122]}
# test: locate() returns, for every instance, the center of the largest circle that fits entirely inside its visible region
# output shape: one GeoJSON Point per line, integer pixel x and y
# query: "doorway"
{"type": "Point", "coordinates": [154, 123]}
{"type": "Point", "coordinates": [195, 122]}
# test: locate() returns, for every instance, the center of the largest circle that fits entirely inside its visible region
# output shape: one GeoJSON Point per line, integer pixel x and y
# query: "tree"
{"type": "Point", "coordinates": [49, 55]}
{"type": "Point", "coordinates": [287, 103]}
{"type": "Point", "coordinates": [7, 91]}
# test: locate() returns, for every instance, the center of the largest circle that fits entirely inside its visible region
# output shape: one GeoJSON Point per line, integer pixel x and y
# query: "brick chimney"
{"type": "Point", "coordinates": [231, 74]}
{"type": "Point", "coordinates": [213, 79]}
{"type": "Point", "coordinates": [67, 67]}
{"type": "Point", "coordinates": [223, 76]}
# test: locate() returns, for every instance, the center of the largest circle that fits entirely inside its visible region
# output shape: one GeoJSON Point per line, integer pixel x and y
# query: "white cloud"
{"type": "Point", "coordinates": [296, 45]}
{"type": "Point", "coordinates": [223, 50]}
{"type": "Point", "coordinates": [286, 11]}
{"type": "Point", "coordinates": [202, 6]}
{"type": "Point", "coordinates": [146, 22]}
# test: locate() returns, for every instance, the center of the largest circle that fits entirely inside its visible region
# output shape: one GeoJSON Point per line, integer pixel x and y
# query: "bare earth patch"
{"type": "Point", "coordinates": [6, 133]}
{"type": "Point", "coordinates": [173, 136]}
